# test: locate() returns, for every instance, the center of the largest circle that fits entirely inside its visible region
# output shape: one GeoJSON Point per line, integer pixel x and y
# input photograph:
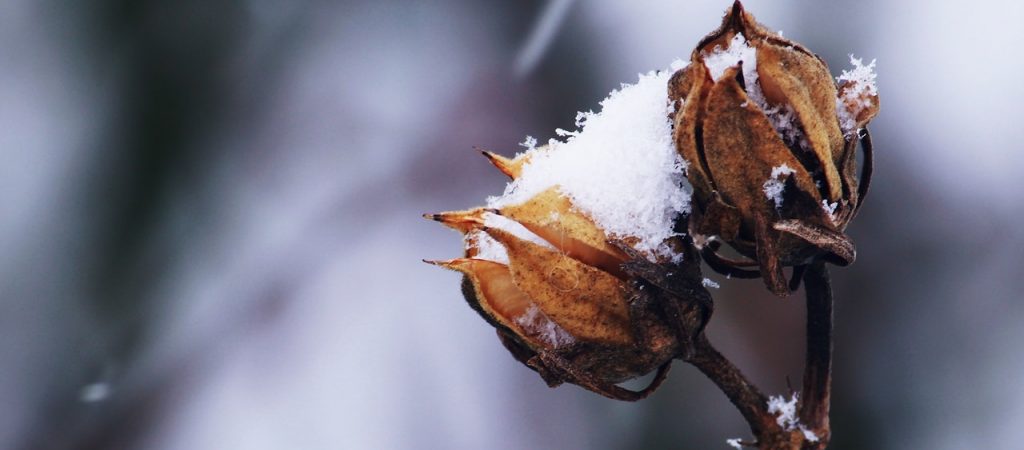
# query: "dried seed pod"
{"type": "Point", "coordinates": [560, 300]}
{"type": "Point", "coordinates": [771, 144]}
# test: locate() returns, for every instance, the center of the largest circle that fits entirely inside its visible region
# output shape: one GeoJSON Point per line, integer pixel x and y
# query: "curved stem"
{"type": "Point", "coordinates": [741, 392]}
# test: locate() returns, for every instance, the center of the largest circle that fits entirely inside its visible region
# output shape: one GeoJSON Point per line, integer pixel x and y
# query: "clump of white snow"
{"type": "Point", "coordinates": [785, 412]}
{"type": "Point", "coordinates": [620, 167]}
{"type": "Point", "coordinates": [775, 185]}
{"type": "Point", "coordinates": [781, 117]}
{"type": "Point", "coordinates": [709, 283]}
{"type": "Point", "coordinates": [734, 443]}
{"type": "Point", "coordinates": [535, 322]}
{"type": "Point", "coordinates": [857, 95]}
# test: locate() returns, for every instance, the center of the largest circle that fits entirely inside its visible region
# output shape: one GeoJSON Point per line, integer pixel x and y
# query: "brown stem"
{"type": "Point", "coordinates": [753, 404]}
{"type": "Point", "coordinates": [817, 387]}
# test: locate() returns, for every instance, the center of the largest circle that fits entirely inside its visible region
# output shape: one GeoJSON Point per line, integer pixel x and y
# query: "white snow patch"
{"type": "Point", "coordinates": [775, 185]}
{"type": "Point", "coordinates": [781, 117]}
{"type": "Point", "coordinates": [786, 415]}
{"type": "Point", "coordinates": [785, 410]}
{"type": "Point", "coordinates": [857, 96]}
{"type": "Point", "coordinates": [620, 168]}
{"type": "Point", "coordinates": [734, 443]}
{"type": "Point", "coordinates": [709, 283]}
{"type": "Point", "coordinates": [534, 321]}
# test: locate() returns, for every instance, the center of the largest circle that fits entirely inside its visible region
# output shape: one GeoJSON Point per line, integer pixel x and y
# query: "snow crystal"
{"type": "Point", "coordinates": [774, 187]}
{"type": "Point", "coordinates": [719, 60]}
{"type": "Point", "coordinates": [808, 434]}
{"type": "Point", "coordinates": [830, 208]}
{"type": "Point", "coordinates": [536, 322]}
{"type": "Point", "coordinates": [709, 283]}
{"type": "Point", "coordinates": [786, 412]}
{"type": "Point", "coordinates": [856, 97]}
{"type": "Point", "coordinates": [734, 443]}
{"type": "Point", "coordinates": [620, 168]}
{"type": "Point", "coordinates": [529, 143]}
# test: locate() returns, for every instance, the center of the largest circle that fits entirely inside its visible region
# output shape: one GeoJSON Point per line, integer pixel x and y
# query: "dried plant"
{"type": "Point", "coordinates": [587, 283]}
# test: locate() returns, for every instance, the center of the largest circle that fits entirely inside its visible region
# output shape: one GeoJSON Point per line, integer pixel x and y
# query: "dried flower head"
{"type": "Point", "coordinates": [584, 265]}
{"type": "Point", "coordinates": [771, 143]}
{"type": "Point", "coordinates": [552, 262]}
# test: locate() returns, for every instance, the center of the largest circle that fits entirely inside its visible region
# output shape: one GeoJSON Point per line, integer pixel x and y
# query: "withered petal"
{"type": "Point", "coordinates": [587, 302]}
{"type": "Point", "coordinates": [804, 83]}
{"type": "Point", "coordinates": [551, 216]}
{"type": "Point", "coordinates": [492, 292]}
{"type": "Point", "coordinates": [832, 241]}
{"type": "Point", "coordinates": [736, 20]}
{"type": "Point", "coordinates": [511, 167]}
{"type": "Point", "coordinates": [768, 256]}
{"type": "Point", "coordinates": [686, 133]}
{"type": "Point", "coordinates": [742, 147]}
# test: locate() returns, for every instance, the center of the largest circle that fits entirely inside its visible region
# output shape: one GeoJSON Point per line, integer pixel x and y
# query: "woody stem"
{"type": "Point", "coordinates": [741, 392]}
{"type": "Point", "coordinates": [817, 388]}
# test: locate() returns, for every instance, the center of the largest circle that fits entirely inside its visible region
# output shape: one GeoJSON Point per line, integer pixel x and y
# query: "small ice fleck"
{"type": "Point", "coordinates": [734, 443]}
{"type": "Point", "coordinates": [530, 143]}
{"type": "Point", "coordinates": [95, 392]}
{"type": "Point", "coordinates": [775, 185]}
{"type": "Point", "coordinates": [808, 434]}
{"type": "Point", "coordinates": [709, 283]}
{"type": "Point", "coordinates": [830, 208]}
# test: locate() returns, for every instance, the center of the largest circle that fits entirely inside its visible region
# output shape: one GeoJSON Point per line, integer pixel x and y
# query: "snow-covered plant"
{"type": "Point", "coordinates": [589, 264]}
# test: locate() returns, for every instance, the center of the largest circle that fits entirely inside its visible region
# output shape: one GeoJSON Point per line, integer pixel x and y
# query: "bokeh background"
{"type": "Point", "coordinates": [211, 234]}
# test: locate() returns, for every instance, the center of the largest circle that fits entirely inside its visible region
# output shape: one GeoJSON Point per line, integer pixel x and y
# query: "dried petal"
{"type": "Point", "coordinates": [803, 83]}
{"type": "Point", "coordinates": [589, 303]}
{"type": "Point", "coordinates": [552, 217]}
{"type": "Point", "coordinates": [742, 148]}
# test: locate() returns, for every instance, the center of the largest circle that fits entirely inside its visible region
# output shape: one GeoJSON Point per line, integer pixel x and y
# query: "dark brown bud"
{"type": "Point", "coordinates": [771, 144]}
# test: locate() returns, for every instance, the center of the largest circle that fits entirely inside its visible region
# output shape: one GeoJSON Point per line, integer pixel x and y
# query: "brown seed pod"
{"type": "Point", "coordinates": [565, 306]}
{"type": "Point", "coordinates": [774, 173]}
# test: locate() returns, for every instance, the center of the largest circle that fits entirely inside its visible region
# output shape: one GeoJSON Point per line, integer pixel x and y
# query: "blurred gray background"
{"type": "Point", "coordinates": [211, 234]}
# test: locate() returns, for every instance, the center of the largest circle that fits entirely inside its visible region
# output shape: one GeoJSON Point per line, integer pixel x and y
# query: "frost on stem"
{"type": "Point", "coordinates": [785, 412]}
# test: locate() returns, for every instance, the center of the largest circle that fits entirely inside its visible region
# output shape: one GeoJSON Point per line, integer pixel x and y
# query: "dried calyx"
{"type": "Point", "coordinates": [589, 264]}
{"type": "Point", "coordinates": [555, 287]}
{"type": "Point", "coordinates": [771, 143]}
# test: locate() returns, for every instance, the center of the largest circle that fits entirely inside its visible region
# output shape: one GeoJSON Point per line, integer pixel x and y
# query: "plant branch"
{"type": "Point", "coordinates": [741, 392]}
{"type": "Point", "coordinates": [817, 389]}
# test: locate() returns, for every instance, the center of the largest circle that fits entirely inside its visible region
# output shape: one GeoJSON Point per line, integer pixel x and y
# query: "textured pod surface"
{"type": "Point", "coordinates": [771, 142]}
